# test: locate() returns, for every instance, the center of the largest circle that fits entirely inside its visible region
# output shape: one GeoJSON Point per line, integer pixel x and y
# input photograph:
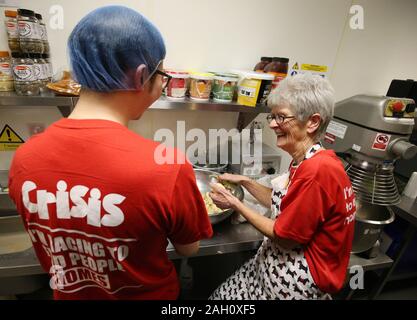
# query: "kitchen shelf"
{"type": "Point", "coordinates": [11, 99]}
{"type": "Point", "coordinates": [47, 99]}
{"type": "Point", "coordinates": [246, 114]}
{"type": "Point", "coordinates": [66, 104]}
{"type": "Point", "coordinates": [192, 105]}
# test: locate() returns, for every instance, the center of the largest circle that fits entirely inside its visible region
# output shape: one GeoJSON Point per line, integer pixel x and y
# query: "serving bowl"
{"type": "Point", "coordinates": [204, 178]}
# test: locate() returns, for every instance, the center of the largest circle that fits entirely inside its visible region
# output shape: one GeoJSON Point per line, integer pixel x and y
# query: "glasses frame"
{"type": "Point", "coordinates": [166, 75]}
{"type": "Point", "coordinates": [281, 118]}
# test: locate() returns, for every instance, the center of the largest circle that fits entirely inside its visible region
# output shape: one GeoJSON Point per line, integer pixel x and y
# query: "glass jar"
{"type": "Point", "coordinates": [6, 77]}
{"type": "Point", "coordinates": [260, 66]}
{"type": "Point", "coordinates": [25, 82]}
{"type": "Point", "coordinates": [12, 30]}
{"type": "Point", "coordinates": [43, 33]}
{"type": "Point", "coordinates": [39, 70]}
{"type": "Point", "coordinates": [29, 36]}
{"type": "Point", "coordinates": [278, 68]}
{"type": "Point", "coordinates": [48, 66]}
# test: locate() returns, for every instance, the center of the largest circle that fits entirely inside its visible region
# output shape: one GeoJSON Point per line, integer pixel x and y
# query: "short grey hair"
{"type": "Point", "coordinates": [306, 94]}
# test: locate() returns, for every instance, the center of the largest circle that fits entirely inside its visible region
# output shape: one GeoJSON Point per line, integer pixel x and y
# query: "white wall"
{"type": "Point", "coordinates": [385, 49]}
{"type": "Point", "coordinates": [208, 35]}
{"type": "Point", "coordinates": [220, 34]}
{"type": "Point", "coordinates": [228, 34]}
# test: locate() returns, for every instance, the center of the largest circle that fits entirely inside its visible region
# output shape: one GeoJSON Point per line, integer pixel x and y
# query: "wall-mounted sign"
{"type": "Point", "coordinates": [9, 139]}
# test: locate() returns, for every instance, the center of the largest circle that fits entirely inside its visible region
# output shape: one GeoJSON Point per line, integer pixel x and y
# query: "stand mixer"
{"type": "Point", "coordinates": [370, 133]}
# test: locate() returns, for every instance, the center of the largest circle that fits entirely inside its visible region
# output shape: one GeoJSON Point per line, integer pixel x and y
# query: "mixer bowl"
{"type": "Point", "coordinates": [369, 223]}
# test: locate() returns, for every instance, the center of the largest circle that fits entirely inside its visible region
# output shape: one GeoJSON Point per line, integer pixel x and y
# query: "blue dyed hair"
{"type": "Point", "coordinates": [107, 46]}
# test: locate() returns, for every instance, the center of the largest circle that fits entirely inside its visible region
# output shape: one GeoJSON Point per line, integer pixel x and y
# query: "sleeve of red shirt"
{"type": "Point", "coordinates": [189, 218]}
{"type": "Point", "coordinates": [303, 209]}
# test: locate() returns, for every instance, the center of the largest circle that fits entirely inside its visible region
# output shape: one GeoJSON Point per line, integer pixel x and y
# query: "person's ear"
{"type": "Point", "coordinates": [313, 123]}
{"type": "Point", "coordinates": [141, 75]}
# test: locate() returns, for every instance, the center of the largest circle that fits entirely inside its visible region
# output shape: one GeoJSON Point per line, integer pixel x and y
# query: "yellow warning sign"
{"type": "Point", "coordinates": [313, 67]}
{"type": "Point", "coordinates": [9, 139]}
{"type": "Point", "coordinates": [295, 66]}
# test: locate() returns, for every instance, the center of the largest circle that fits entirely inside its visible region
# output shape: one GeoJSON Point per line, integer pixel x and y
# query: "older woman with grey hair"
{"type": "Point", "coordinates": [308, 238]}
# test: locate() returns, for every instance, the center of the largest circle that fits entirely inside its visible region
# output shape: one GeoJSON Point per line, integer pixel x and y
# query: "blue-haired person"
{"type": "Point", "coordinates": [98, 207]}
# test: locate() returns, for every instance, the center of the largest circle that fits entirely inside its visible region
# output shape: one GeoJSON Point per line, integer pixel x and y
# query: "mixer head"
{"type": "Point", "coordinates": [370, 133]}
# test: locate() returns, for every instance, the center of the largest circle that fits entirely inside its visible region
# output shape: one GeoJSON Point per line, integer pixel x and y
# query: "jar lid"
{"type": "Point", "coordinates": [257, 75]}
{"type": "Point", "coordinates": [10, 13]}
{"type": "Point", "coordinates": [20, 55]}
{"type": "Point", "coordinates": [38, 16]}
{"type": "Point", "coordinates": [25, 12]}
{"type": "Point", "coordinates": [201, 76]}
{"type": "Point", "coordinates": [279, 59]}
{"type": "Point", "coordinates": [4, 54]}
{"type": "Point", "coordinates": [226, 77]}
{"type": "Point", "coordinates": [34, 55]}
{"type": "Point", "coordinates": [17, 55]}
{"type": "Point", "coordinates": [269, 59]}
{"type": "Point", "coordinates": [178, 74]}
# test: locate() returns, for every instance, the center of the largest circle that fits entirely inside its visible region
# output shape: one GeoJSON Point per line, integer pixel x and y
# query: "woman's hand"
{"type": "Point", "coordinates": [234, 178]}
{"type": "Point", "coordinates": [222, 197]}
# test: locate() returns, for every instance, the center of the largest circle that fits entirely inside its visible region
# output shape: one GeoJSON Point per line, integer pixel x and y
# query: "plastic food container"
{"type": "Point", "coordinates": [224, 86]}
{"type": "Point", "coordinates": [177, 87]}
{"type": "Point", "coordinates": [25, 82]}
{"type": "Point", "coordinates": [12, 30]}
{"type": "Point", "coordinates": [254, 88]}
{"type": "Point", "coordinates": [200, 86]}
{"type": "Point", "coordinates": [28, 26]}
{"type": "Point", "coordinates": [6, 77]}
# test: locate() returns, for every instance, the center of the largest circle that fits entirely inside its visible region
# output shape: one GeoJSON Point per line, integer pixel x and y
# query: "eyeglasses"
{"type": "Point", "coordinates": [166, 78]}
{"type": "Point", "coordinates": [279, 119]}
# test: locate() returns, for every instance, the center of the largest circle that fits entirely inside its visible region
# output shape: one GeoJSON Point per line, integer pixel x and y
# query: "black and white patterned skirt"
{"type": "Point", "coordinates": [272, 274]}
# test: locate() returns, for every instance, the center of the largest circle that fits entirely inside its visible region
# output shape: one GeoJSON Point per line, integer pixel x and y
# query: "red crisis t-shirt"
{"type": "Point", "coordinates": [100, 210]}
{"type": "Point", "coordinates": [318, 212]}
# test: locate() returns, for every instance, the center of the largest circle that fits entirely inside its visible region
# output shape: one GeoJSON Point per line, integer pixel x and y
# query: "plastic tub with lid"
{"type": "Point", "coordinates": [200, 85]}
{"type": "Point", "coordinates": [177, 87]}
{"type": "Point", "coordinates": [224, 86]}
{"type": "Point", "coordinates": [254, 88]}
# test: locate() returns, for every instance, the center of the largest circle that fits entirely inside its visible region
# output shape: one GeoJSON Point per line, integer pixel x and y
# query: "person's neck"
{"type": "Point", "coordinates": [301, 149]}
{"type": "Point", "coordinates": [115, 107]}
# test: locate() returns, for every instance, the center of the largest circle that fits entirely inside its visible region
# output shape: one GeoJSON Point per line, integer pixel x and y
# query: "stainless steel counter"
{"type": "Point", "coordinates": [227, 238]}
{"type": "Point", "coordinates": [407, 210]}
